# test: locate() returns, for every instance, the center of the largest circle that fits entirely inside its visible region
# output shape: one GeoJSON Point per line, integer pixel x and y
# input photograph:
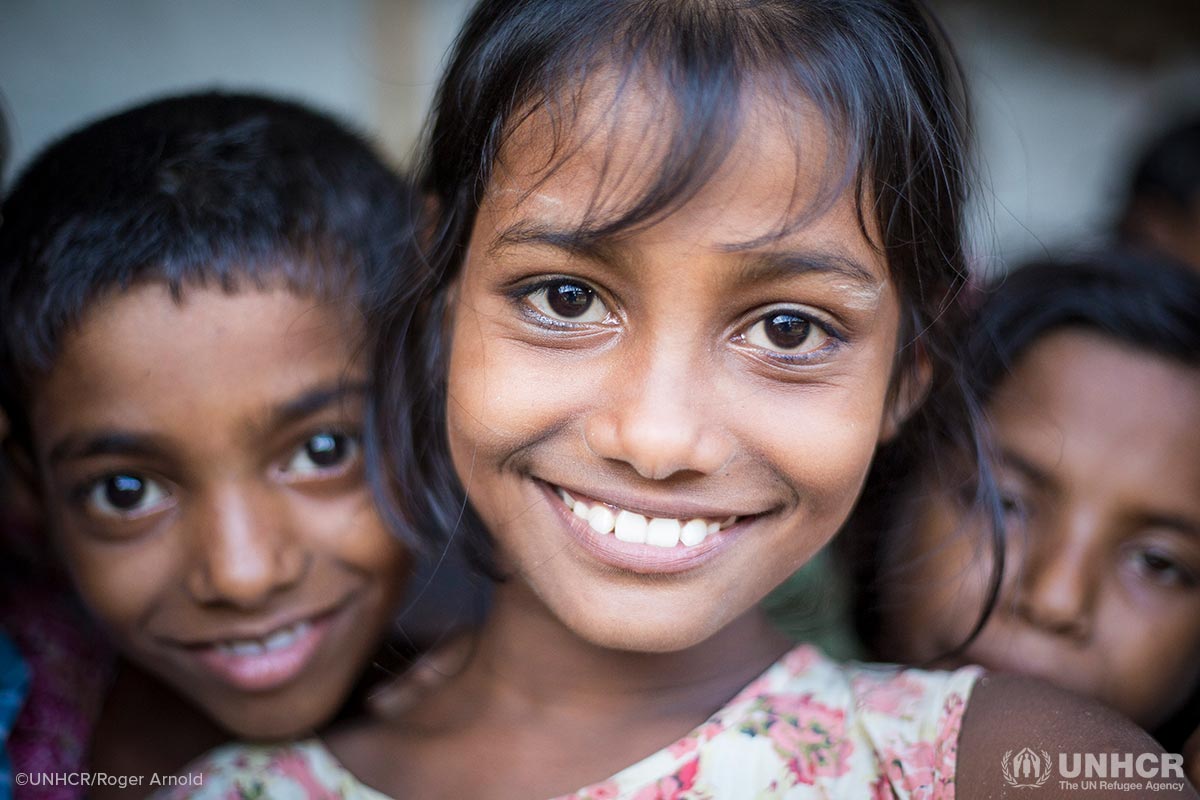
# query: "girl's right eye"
{"type": "Point", "coordinates": [564, 300]}
{"type": "Point", "coordinates": [125, 495]}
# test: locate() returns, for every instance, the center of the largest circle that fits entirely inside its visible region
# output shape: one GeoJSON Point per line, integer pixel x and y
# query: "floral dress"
{"type": "Point", "coordinates": [806, 728]}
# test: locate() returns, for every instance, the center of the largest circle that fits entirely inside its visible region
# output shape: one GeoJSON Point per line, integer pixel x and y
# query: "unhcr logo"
{"type": "Point", "coordinates": [1028, 769]}
{"type": "Point", "coordinates": [1031, 769]}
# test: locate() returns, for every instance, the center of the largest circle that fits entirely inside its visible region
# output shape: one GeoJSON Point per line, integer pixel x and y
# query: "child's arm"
{"type": "Point", "coordinates": [1008, 713]}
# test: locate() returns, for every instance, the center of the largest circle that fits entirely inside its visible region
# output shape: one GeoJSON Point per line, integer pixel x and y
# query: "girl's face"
{"type": "Point", "coordinates": [204, 482]}
{"type": "Point", "coordinates": [1098, 446]}
{"type": "Point", "coordinates": [714, 400]}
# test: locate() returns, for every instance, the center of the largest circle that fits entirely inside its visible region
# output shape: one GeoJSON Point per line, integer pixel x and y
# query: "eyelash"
{"type": "Point", "coordinates": [521, 295]}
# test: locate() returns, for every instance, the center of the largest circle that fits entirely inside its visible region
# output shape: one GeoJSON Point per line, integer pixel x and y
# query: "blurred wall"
{"type": "Point", "coordinates": [1059, 108]}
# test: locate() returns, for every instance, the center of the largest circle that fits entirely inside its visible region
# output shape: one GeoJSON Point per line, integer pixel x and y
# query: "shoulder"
{"type": "Point", "coordinates": [1009, 716]}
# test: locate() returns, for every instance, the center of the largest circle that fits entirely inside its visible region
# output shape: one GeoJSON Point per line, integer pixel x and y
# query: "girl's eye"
{"type": "Point", "coordinates": [1162, 569]}
{"type": "Point", "coordinates": [321, 453]}
{"type": "Point", "coordinates": [568, 301]}
{"type": "Point", "coordinates": [125, 495]}
{"type": "Point", "coordinates": [787, 332]}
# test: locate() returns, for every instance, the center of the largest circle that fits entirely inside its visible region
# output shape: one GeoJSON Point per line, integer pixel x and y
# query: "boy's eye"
{"type": "Point", "coordinates": [568, 301]}
{"type": "Point", "coordinates": [1161, 568]}
{"type": "Point", "coordinates": [787, 332]}
{"type": "Point", "coordinates": [125, 495]}
{"type": "Point", "coordinates": [323, 452]}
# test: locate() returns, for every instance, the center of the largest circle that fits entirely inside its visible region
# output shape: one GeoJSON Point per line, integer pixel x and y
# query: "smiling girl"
{"type": "Point", "coordinates": [692, 266]}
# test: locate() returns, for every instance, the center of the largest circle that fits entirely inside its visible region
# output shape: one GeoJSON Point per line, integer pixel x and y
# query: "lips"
{"type": "Point", "coordinates": [644, 541]}
{"type": "Point", "coordinates": [267, 661]}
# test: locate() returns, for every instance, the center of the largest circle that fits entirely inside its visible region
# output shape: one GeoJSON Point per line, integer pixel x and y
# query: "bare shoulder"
{"type": "Point", "coordinates": [1020, 733]}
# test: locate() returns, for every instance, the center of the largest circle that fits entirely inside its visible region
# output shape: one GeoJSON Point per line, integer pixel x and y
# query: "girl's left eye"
{"type": "Point", "coordinates": [324, 452]}
{"type": "Point", "coordinates": [788, 332]}
{"type": "Point", "coordinates": [568, 301]}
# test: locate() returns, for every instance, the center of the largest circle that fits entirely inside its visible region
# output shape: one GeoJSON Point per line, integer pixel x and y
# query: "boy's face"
{"type": "Point", "coordinates": [658, 428]}
{"type": "Point", "coordinates": [1098, 444]}
{"type": "Point", "coordinates": [203, 477]}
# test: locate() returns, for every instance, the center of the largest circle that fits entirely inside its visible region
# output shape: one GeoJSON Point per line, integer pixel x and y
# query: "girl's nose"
{"type": "Point", "coordinates": [658, 415]}
{"type": "Point", "coordinates": [1056, 583]}
{"type": "Point", "coordinates": [244, 552]}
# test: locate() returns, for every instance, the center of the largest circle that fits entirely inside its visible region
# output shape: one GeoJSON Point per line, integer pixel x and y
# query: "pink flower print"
{"type": "Point", "coordinates": [672, 787]}
{"type": "Point", "coordinates": [800, 660]}
{"type": "Point", "coordinates": [896, 696]}
{"type": "Point", "coordinates": [295, 767]}
{"type": "Point", "coordinates": [809, 736]}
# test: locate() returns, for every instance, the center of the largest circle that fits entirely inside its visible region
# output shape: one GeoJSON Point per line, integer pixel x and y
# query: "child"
{"type": "Point", "coordinates": [1162, 209]}
{"type": "Point", "coordinates": [1091, 371]}
{"type": "Point", "coordinates": [182, 289]}
{"type": "Point", "coordinates": [691, 266]}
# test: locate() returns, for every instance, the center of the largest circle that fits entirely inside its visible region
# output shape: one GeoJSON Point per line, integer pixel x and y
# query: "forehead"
{"type": "Point", "coordinates": [142, 357]}
{"type": "Point", "coordinates": [770, 166]}
{"type": "Point", "coordinates": [1113, 412]}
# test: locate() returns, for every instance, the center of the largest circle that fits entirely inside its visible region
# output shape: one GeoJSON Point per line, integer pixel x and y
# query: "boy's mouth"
{"type": "Point", "coordinates": [636, 528]}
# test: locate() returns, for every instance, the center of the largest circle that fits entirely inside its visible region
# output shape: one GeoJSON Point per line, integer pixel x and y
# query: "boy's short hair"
{"type": "Point", "coordinates": [206, 189]}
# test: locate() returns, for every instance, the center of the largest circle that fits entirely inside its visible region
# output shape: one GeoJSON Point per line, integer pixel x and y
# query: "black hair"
{"type": "Point", "coordinates": [1167, 174]}
{"type": "Point", "coordinates": [881, 75]}
{"type": "Point", "coordinates": [196, 189]}
{"type": "Point", "coordinates": [1134, 299]}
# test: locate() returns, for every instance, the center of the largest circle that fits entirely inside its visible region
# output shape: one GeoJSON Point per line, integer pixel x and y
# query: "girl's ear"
{"type": "Point", "coordinates": [18, 479]}
{"type": "Point", "coordinates": [911, 388]}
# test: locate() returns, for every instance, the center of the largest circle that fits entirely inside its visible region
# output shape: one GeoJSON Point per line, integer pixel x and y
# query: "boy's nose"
{"type": "Point", "coordinates": [243, 552]}
{"type": "Point", "coordinates": [1056, 585]}
{"type": "Point", "coordinates": [657, 414]}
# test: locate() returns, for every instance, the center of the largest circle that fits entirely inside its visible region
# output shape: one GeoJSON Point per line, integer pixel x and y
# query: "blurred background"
{"type": "Point", "coordinates": [1066, 92]}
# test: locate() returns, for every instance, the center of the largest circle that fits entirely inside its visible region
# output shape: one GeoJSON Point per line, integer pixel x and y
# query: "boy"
{"type": "Point", "coordinates": [182, 289]}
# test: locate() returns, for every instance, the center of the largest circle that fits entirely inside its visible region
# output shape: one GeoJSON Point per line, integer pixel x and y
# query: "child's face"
{"type": "Point", "coordinates": [1098, 443]}
{"type": "Point", "coordinates": [204, 481]}
{"type": "Point", "coordinates": [718, 401]}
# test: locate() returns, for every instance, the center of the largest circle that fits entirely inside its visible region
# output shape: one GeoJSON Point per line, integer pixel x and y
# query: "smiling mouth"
{"type": "Point", "coordinates": [263, 663]}
{"type": "Point", "coordinates": [634, 528]}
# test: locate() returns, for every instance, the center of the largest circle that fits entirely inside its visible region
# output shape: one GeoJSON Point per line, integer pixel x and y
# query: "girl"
{"type": "Point", "coordinates": [692, 265]}
{"type": "Point", "coordinates": [1091, 371]}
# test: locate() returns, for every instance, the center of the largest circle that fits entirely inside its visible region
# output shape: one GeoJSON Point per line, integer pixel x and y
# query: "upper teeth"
{"type": "Point", "coordinates": [284, 637]}
{"type": "Point", "coordinates": [630, 526]}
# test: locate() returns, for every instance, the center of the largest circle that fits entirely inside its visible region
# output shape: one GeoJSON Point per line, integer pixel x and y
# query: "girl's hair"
{"type": "Point", "coordinates": [888, 90]}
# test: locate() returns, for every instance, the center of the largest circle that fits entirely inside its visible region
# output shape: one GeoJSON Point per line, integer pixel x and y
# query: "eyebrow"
{"type": "Point", "coordinates": [314, 400]}
{"type": "Point", "coordinates": [79, 446]}
{"type": "Point", "coordinates": [760, 267]}
{"type": "Point", "coordinates": [1027, 468]}
{"type": "Point", "coordinates": [576, 241]}
{"type": "Point", "coordinates": [1187, 526]}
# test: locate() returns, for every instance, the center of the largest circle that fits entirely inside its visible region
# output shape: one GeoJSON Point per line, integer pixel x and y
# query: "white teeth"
{"type": "Point", "coordinates": [282, 638]}
{"type": "Point", "coordinates": [600, 519]}
{"type": "Point", "coordinates": [695, 531]}
{"type": "Point", "coordinates": [247, 649]}
{"type": "Point", "coordinates": [631, 527]}
{"type": "Point", "coordinates": [663, 532]}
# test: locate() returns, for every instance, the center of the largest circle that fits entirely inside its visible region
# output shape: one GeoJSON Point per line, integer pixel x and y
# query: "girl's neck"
{"type": "Point", "coordinates": [526, 656]}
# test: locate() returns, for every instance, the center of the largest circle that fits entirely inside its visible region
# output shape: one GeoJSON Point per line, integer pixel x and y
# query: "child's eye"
{"type": "Point", "coordinates": [125, 496]}
{"type": "Point", "coordinates": [788, 332]}
{"type": "Point", "coordinates": [1161, 568]}
{"type": "Point", "coordinates": [567, 301]}
{"type": "Point", "coordinates": [325, 452]}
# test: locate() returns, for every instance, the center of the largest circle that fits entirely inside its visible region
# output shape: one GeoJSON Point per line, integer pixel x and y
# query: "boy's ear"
{"type": "Point", "coordinates": [911, 388]}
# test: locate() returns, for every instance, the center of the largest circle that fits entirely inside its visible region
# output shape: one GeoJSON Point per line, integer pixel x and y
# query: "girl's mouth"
{"type": "Point", "coordinates": [639, 542]}
{"type": "Point", "coordinates": [635, 528]}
